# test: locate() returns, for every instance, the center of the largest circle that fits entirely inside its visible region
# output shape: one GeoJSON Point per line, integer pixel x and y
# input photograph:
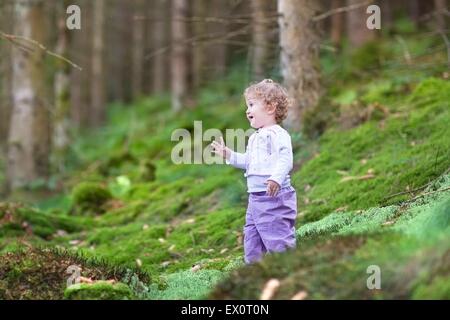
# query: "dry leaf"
{"type": "Point", "coordinates": [301, 295]}
{"type": "Point", "coordinates": [269, 289]}
{"type": "Point", "coordinates": [165, 264]}
{"type": "Point", "coordinates": [195, 268]}
{"type": "Point", "coordinates": [139, 262]}
{"type": "Point", "coordinates": [340, 209]}
{"type": "Point", "coordinates": [85, 280]}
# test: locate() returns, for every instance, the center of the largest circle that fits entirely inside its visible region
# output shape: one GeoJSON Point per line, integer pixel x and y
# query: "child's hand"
{"type": "Point", "coordinates": [221, 149]}
{"type": "Point", "coordinates": [272, 188]}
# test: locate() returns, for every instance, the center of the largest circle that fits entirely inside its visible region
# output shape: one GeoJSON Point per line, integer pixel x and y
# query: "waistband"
{"type": "Point", "coordinates": [264, 193]}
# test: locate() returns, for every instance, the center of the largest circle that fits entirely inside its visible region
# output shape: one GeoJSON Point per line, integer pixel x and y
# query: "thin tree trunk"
{"type": "Point", "coordinates": [5, 71]}
{"type": "Point", "coordinates": [218, 50]}
{"type": "Point", "coordinates": [337, 23]}
{"type": "Point", "coordinates": [29, 134]}
{"type": "Point", "coordinates": [199, 58]}
{"type": "Point", "coordinates": [138, 49]}
{"type": "Point", "coordinates": [160, 40]}
{"type": "Point", "coordinates": [179, 55]}
{"type": "Point", "coordinates": [61, 117]}
{"type": "Point", "coordinates": [440, 8]}
{"type": "Point", "coordinates": [299, 42]}
{"type": "Point", "coordinates": [357, 30]}
{"type": "Point", "coordinates": [261, 38]}
{"type": "Point", "coordinates": [98, 109]}
{"type": "Point", "coordinates": [414, 10]}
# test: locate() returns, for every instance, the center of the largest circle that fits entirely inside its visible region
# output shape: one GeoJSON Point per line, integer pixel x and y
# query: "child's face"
{"type": "Point", "coordinates": [258, 113]}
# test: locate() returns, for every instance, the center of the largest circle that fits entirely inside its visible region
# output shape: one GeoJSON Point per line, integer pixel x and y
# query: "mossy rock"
{"type": "Point", "coordinates": [100, 290]}
{"type": "Point", "coordinates": [90, 198]}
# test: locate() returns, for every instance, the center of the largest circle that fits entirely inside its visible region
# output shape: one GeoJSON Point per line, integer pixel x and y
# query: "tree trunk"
{"type": "Point", "coordinates": [337, 23]}
{"type": "Point", "coordinates": [299, 42]}
{"type": "Point", "coordinates": [414, 10]}
{"type": "Point", "coordinates": [440, 8]}
{"type": "Point", "coordinates": [160, 41]}
{"type": "Point", "coordinates": [61, 116]}
{"type": "Point", "coordinates": [5, 71]}
{"type": "Point", "coordinates": [199, 57]}
{"type": "Point", "coordinates": [81, 46]}
{"type": "Point", "coordinates": [98, 109]}
{"type": "Point", "coordinates": [217, 47]}
{"type": "Point", "coordinates": [29, 134]}
{"type": "Point", "coordinates": [357, 30]}
{"type": "Point", "coordinates": [261, 38]}
{"type": "Point", "coordinates": [138, 49]}
{"type": "Point", "coordinates": [179, 55]}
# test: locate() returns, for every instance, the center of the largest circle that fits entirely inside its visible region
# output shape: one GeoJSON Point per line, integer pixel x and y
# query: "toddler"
{"type": "Point", "coordinates": [272, 202]}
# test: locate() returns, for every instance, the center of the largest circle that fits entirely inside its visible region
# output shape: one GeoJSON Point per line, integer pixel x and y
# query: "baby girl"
{"type": "Point", "coordinates": [272, 202]}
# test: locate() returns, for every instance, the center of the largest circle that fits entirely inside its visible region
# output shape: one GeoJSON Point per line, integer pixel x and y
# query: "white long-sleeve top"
{"type": "Point", "coordinates": [268, 157]}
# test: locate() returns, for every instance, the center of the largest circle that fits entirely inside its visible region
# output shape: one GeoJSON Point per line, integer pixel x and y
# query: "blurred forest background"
{"type": "Point", "coordinates": [86, 117]}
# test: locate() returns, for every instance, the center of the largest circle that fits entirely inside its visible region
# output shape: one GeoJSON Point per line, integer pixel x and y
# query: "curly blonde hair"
{"type": "Point", "coordinates": [271, 93]}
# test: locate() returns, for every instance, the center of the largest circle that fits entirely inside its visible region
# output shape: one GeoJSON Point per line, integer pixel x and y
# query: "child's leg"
{"type": "Point", "coordinates": [254, 248]}
{"type": "Point", "coordinates": [275, 220]}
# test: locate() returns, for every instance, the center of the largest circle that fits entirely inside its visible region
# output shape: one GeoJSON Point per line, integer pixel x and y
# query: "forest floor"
{"type": "Point", "coordinates": [371, 174]}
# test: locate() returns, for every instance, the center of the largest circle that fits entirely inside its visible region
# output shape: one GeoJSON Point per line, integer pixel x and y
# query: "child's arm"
{"type": "Point", "coordinates": [236, 159]}
{"type": "Point", "coordinates": [285, 159]}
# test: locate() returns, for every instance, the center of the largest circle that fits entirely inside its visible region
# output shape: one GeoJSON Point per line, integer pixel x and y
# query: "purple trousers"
{"type": "Point", "coordinates": [270, 223]}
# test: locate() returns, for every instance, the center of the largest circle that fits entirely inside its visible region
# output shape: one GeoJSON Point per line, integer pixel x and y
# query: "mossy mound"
{"type": "Point", "coordinates": [18, 220]}
{"type": "Point", "coordinates": [43, 273]}
{"type": "Point", "coordinates": [99, 290]}
{"type": "Point", "coordinates": [90, 198]}
{"type": "Point", "coordinates": [360, 168]}
{"type": "Point", "coordinates": [409, 243]}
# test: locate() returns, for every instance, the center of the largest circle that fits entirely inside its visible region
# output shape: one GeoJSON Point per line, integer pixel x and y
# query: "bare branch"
{"type": "Point", "coordinates": [341, 9]}
{"type": "Point", "coordinates": [13, 39]}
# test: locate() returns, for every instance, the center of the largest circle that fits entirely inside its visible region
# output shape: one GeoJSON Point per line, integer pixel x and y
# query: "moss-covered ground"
{"type": "Point", "coordinates": [371, 174]}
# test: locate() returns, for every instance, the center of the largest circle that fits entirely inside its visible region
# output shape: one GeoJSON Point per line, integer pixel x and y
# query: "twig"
{"type": "Point", "coordinates": [339, 10]}
{"type": "Point", "coordinates": [417, 189]}
{"type": "Point", "coordinates": [217, 37]}
{"type": "Point", "coordinates": [428, 193]}
{"type": "Point", "coordinates": [408, 191]}
{"type": "Point", "coordinates": [14, 38]}
{"type": "Point", "coordinates": [406, 53]}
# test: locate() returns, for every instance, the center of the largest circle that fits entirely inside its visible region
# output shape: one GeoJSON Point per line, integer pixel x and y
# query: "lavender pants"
{"type": "Point", "coordinates": [270, 223]}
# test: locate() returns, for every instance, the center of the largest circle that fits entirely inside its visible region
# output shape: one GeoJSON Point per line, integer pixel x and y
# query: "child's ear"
{"type": "Point", "coordinates": [271, 108]}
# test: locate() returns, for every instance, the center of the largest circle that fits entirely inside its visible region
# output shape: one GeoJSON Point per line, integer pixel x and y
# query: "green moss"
{"type": "Point", "coordinates": [438, 289]}
{"type": "Point", "coordinates": [186, 285]}
{"type": "Point", "coordinates": [416, 140]}
{"type": "Point", "coordinates": [89, 198]}
{"type": "Point", "coordinates": [19, 220]}
{"type": "Point", "coordinates": [99, 290]}
{"type": "Point", "coordinates": [43, 273]}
